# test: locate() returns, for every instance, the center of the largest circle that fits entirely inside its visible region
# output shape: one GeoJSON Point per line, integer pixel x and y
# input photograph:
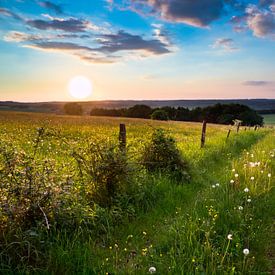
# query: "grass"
{"type": "Point", "coordinates": [269, 119]}
{"type": "Point", "coordinates": [177, 228]}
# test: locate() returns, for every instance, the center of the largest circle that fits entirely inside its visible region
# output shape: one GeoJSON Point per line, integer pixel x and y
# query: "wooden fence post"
{"type": "Point", "coordinates": [203, 133]}
{"type": "Point", "coordinates": [256, 127]}
{"type": "Point", "coordinates": [122, 137]}
{"type": "Point", "coordinates": [238, 127]}
{"type": "Point", "coordinates": [228, 134]}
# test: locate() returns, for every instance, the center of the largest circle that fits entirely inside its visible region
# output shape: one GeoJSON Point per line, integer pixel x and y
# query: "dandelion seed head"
{"type": "Point", "coordinates": [232, 181]}
{"type": "Point", "coordinates": [246, 190]}
{"type": "Point", "coordinates": [240, 208]}
{"type": "Point", "coordinates": [229, 236]}
{"type": "Point", "coordinates": [252, 178]}
{"type": "Point", "coordinates": [246, 251]}
{"type": "Point", "coordinates": [152, 269]}
{"type": "Point", "coordinates": [248, 200]}
{"type": "Point", "coordinates": [269, 175]}
{"type": "Point", "coordinates": [236, 175]}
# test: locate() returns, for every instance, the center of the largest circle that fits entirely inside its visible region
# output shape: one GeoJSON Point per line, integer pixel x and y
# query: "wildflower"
{"type": "Point", "coordinates": [232, 181]}
{"type": "Point", "coordinates": [246, 190]}
{"type": "Point", "coordinates": [229, 237]}
{"type": "Point", "coordinates": [144, 233]}
{"type": "Point", "coordinates": [217, 184]}
{"type": "Point", "coordinates": [213, 186]}
{"type": "Point", "coordinates": [236, 175]}
{"type": "Point", "coordinates": [252, 178]}
{"type": "Point", "coordinates": [269, 175]}
{"type": "Point", "coordinates": [262, 171]}
{"type": "Point", "coordinates": [246, 251]}
{"type": "Point", "coordinates": [248, 200]}
{"type": "Point", "coordinates": [152, 269]}
{"type": "Point", "coordinates": [240, 208]}
{"type": "Point", "coordinates": [233, 170]}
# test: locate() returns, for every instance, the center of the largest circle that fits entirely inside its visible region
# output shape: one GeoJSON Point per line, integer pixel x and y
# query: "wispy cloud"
{"type": "Point", "coordinates": [105, 47]}
{"type": "Point", "coordinates": [123, 41]}
{"type": "Point", "coordinates": [226, 44]}
{"type": "Point", "coordinates": [51, 6]}
{"type": "Point", "coordinates": [67, 25]}
{"type": "Point", "coordinates": [256, 83]}
{"type": "Point", "coordinates": [9, 13]}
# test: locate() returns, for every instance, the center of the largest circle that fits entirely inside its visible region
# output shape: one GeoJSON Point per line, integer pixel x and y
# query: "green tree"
{"type": "Point", "coordinates": [159, 114]}
{"type": "Point", "coordinates": [73, 109]}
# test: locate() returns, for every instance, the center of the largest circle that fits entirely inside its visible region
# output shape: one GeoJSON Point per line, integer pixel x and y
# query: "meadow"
{"type": "Point", "coordinates": [73, 202]}
{"type": "Point", "coordinates": [269, 119]}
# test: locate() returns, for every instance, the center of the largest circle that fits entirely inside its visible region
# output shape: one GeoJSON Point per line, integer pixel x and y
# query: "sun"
{"type": "Point", "coordinates": [80, 87]}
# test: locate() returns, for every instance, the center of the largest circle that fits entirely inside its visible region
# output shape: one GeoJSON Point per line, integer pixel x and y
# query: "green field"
{"type": "Point", "coordinates": [269, 119]}
{"type": "Point", "coordinates": [72, 202]}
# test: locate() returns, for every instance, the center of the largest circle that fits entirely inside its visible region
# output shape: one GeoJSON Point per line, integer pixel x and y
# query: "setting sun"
{"type": "Point", "coordinates": [80, 87]}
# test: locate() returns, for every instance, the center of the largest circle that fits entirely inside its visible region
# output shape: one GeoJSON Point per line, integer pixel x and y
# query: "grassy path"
{"type": "Point", "coordinates": [153, 238]}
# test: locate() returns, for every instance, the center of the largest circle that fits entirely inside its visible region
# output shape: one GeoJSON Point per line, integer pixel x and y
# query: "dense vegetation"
{"type": "Point", "coordinates": [73, 202]}
{"type": "Point", "coordinates": [73, 108]}
{"type": "Point", "coordinates": [219, 113]}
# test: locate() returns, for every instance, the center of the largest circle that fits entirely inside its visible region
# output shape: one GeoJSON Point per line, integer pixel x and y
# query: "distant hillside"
{"type": "Point", "coordinates": [57, 107]}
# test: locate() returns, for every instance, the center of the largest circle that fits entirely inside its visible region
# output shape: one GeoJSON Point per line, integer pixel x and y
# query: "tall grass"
{"type": "Point", "coordinates": [176, 228]}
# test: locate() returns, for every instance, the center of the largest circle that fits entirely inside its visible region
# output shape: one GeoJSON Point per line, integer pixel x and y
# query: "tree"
{"type": "Point", "coordinates": [73, 109]}
{"type": "Point", "coordinates": [139, 111]}
{"type": "Point", "coordinates": [159, 114]}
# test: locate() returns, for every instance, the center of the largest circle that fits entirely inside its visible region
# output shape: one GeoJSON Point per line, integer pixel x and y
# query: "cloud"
{"type": "Point", "coordinates": [84, 53]}
{"type": "Point", "coordinates": [7, 12]}
{"type": "Point", "coordinates": [266, 3]}
{"type": "Point", "coordinates": [51, 6]}
{"type": "Point", "coordinates": [123, 41]}
{"type": "Point", "coordinates": [256, 83]}
{"type": "Point", "coordinates": [199, 13]}
{"type": "Point", "coordinates": [259, 19]}
{"type": "Point", "coordinates": [226, 44]}
{"type": "Point", "coordinates": [262, 23]}
{"type": "Point", "coordinates": [15, 36]}
{"type": "Point", "coordinates": [67, 25]}
{"type": "Point", "coordinates": [105, 48]}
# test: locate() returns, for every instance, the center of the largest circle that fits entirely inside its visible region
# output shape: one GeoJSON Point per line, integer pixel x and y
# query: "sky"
{"type": "Point", "coordinates": [137, 49]}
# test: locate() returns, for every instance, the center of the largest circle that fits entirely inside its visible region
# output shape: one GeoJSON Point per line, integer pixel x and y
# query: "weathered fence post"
{"type": "Point", "coordinates": [256, 127]}
{"type": "Point", "coordinates": [203, 133]}
{"type": "Point", "coordinates": [122, 137]}
{"type": "Point", "coordinates": [238, 127]}
{"type": "Point", "coordinates": [228, 134]}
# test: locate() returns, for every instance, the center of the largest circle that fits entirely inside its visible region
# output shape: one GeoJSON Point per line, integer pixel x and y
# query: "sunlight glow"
{"type": "Point", "coordinates": [80, 87]}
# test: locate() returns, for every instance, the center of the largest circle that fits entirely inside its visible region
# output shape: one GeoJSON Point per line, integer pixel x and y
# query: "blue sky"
{"type": "Point", "coordinates": [137, 49]}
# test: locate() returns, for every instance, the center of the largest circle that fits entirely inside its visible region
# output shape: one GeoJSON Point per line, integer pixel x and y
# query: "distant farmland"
{"type": "Point", "coordinates": [269, 119]}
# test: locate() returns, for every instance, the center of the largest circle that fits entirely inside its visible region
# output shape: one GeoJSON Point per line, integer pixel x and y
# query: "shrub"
{"type": "Point", "coordinates": [162, 155]}
{"type": "Point", "coordinates": [108, 171]}
{"type": "Point", "coordinates": [73, 109]}
{"type": "Point", "coordinates": [159, 115]}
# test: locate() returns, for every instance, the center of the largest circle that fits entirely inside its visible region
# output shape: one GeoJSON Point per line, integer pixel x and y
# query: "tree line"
{"type": "Point", "coordinates": [219, 113]}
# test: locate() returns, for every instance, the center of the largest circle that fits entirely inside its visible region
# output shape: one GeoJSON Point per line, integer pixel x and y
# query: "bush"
{"type": "Point", "coordinates": [162, 155]}
{"type": "Point", "coordinates": [108, 171]}
{"type": "Point", "coordinates": [159, 115]}
{"type": "Point", "coordinates": [73, 109]}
